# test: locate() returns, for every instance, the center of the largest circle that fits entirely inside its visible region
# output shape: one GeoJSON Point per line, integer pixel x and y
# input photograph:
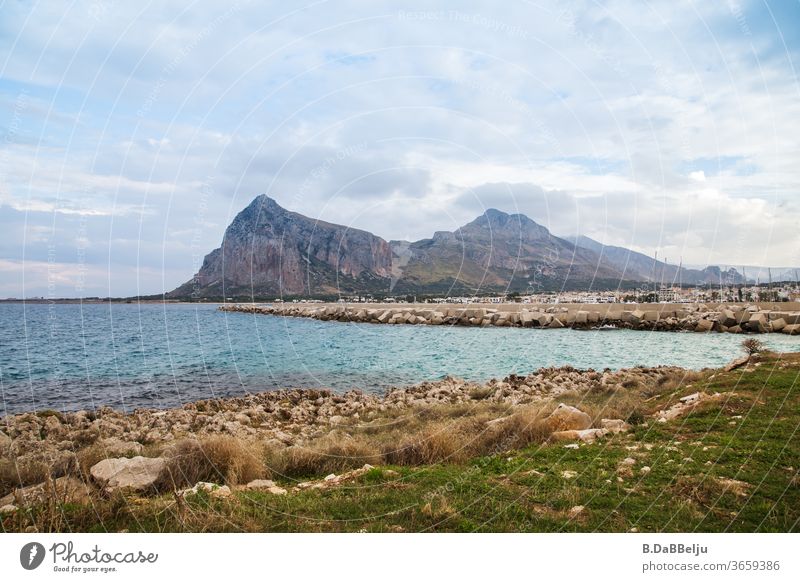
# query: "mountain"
{"type": "Point", "coordinates": [643, 268]}
{"type": "Point", "coordinates": [270, 251]}
{"type": "Point", "coordinates": [499, 251]}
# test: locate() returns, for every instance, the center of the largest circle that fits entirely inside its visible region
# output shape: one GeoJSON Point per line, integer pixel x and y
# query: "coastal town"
{"type": "Point", "coordinates": [756, 293]}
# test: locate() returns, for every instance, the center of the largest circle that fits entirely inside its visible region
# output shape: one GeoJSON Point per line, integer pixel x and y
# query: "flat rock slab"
{"type": "Point", "coordinates": [135, 474]}
{"type": "Point", "coordinates": [738, 363]}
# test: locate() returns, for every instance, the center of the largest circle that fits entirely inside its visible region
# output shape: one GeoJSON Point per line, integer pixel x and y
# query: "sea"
{"type": "Point", "coordinates": [83, 356]}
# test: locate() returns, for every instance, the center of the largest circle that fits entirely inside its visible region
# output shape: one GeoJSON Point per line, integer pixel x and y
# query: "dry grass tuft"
{"type": "Point", "coordinates": [521, 429]}
{"type": "Point", "coordinates": [437, 507]}
{"type": "Point", "coordinates": [216, 459]}
{"type": "Point", "coordinates": [87, 458]}
{"type": "Point", "coordinates": [433, 445]}
{"type": "Point", "coordinates": [481, 392]}
{"type": "Point", "coordinates": [332, 454]}
{"type": "Point", "coordinates": [15, 474]}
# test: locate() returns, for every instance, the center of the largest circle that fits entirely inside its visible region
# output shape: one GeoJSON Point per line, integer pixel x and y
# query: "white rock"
{"type": "Point", "coordinates": [577, 510]}
{"type": "Point", "coordinates": [136, 474]}
{"type": "Point", "coordinates": [260, 484]}
{"type": "Point", "coordinates": [214, 490]}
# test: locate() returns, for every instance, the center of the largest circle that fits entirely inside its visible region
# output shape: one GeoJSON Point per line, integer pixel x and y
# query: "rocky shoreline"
{"type": "Point", "coordinates": [109, 447]}
{"type": "Point", "coordinates": [694, 318]}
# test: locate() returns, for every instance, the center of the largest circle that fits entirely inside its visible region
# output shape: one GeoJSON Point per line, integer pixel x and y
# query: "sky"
{"type": "Point", "coordinates": [132, 133]}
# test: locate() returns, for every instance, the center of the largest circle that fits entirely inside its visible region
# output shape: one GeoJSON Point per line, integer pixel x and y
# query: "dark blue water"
{"type": "Point", "coordinates": [128, 356]}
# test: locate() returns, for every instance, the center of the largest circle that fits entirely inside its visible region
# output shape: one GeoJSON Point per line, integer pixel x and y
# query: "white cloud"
{"type": "Point", "coordinates": [669, 125]}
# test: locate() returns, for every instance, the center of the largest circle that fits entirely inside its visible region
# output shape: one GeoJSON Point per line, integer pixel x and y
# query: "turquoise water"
{"type": "Point", "coordinates": [126, 356]}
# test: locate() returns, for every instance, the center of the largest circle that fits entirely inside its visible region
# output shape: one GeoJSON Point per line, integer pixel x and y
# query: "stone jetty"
{"type": "Point", "coordinates": [727, 318]}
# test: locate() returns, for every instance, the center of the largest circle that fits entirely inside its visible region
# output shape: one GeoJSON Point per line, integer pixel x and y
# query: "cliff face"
{"type": "Point", "coordinates": [267, 249]}
{"type": "Point", "coordinates": [270, 251]}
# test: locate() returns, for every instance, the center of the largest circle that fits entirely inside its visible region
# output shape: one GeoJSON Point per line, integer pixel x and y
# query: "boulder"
{"type": "Point", "coordinates": [704, 325]}
{"type": "Point", "coordinates": [134, 474]}
{"type": "Point", "coordinates": [791, 318]}
{"type": "Point", "coordinates": [652, 316]}
{"type": "Point", "coordinates": [636, 316]}
{"type": "Point", "coordinates": [477, 313]}
{"type": "Point", "coordinates": [555, 324]}
{"type": "Point", "coordinates": [582, 317]}
{"type": "Point", "coordinates": [793, 329]}
{"type": "Point", "coordinates": [727, 318]}
{"type": "Point", "coordinates": [526, 318]}
{"type": "Point", "coordinates": [567, 417]}
{"type": "Point", "coordinates": [778, 324]}
{"type": "Point", "coordinates": [758, 322]}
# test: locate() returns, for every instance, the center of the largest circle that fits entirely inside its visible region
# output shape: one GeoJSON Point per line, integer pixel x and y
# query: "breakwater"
{"type": "Point", "coordinates": [730, 318]}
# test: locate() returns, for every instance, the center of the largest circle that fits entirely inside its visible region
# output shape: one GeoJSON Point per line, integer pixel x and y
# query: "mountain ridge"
{"type": "Point", "coordinates": [648, 269]}
{"type": "Point", "coordinates": [268, 250]}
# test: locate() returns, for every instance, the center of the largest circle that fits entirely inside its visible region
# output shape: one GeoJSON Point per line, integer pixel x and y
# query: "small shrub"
{"type": "Point", "coordinates": [635, 418]}
{"type": "Point", "coordinates": [752, 346]}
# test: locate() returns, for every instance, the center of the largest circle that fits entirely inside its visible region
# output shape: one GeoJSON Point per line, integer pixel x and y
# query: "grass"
{"type": "Point", "coordinates": [730, 465]}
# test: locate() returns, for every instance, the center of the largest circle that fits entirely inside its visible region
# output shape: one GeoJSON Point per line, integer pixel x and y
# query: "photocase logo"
{"type": "Point", "coordinates": [31, 555]}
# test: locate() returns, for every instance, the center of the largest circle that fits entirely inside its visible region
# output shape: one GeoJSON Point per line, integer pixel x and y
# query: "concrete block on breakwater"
{"type": "Point", "coordinates": [730, 318]}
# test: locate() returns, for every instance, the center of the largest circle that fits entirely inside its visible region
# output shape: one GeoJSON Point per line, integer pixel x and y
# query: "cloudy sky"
{"type": "Point", "coordinates": [132, 133]}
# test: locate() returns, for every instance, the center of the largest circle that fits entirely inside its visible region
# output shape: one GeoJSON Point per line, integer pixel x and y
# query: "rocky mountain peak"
{"type": "Point", "coordinates": [502, 224]}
